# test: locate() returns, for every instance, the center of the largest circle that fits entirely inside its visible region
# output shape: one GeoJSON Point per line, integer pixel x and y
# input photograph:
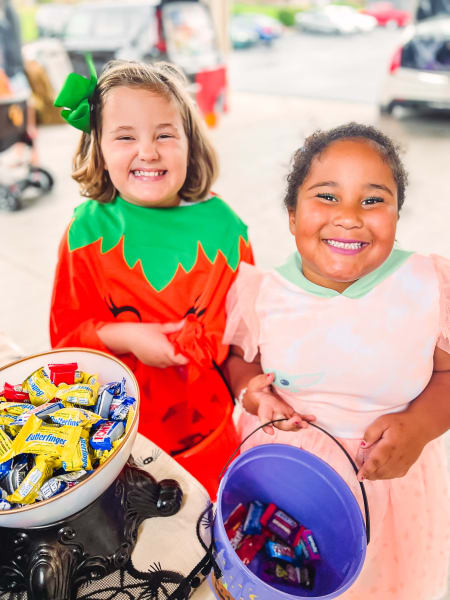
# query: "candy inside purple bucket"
{"type": "Point", "coordinates": [312, 492]}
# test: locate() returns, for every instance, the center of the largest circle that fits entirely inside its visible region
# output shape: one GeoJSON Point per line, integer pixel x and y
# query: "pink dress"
{"type": "Point", "coordinates": [349, 358]}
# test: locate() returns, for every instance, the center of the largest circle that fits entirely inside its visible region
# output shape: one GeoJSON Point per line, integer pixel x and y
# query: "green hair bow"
{"type": "Point", "coordinates": [74, 97]}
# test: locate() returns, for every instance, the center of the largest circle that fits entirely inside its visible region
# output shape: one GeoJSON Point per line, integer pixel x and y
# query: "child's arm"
{"type": "Point", "coordinates": [259, 397]}
{"type": "Point", "coordinates": [395, 441]}
{"type": "Point", "coordinates": [147, 341]}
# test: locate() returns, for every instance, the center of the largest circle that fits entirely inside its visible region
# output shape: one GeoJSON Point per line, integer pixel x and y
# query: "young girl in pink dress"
{"type": "Point", "coordinates": [354, 334]}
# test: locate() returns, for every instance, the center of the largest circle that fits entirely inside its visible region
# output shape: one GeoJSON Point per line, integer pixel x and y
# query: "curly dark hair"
{"type": "Point", "coordinates": [316, 143]}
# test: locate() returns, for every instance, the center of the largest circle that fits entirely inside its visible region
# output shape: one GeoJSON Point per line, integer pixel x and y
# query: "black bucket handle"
{"type": "Point", "coordinates": [350, 459]}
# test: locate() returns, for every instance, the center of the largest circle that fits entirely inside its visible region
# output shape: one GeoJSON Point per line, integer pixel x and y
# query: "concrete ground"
{"type": "Point", "coordinates": [255, 142]}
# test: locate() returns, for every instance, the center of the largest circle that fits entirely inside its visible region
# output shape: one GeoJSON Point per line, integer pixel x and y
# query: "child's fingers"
{"type": "Point", "coordinates": [179, 359]}
{"type": "Point", "coordinates": [293, 423]}
{"type": "Point", "coordinates": [265, 414]}
{"type": "Point", "coordinates": [376, 461]}
{"type": "Point", "coordinates": [172, 327]}
{"type": "Point", "coordinates": [259, 382]}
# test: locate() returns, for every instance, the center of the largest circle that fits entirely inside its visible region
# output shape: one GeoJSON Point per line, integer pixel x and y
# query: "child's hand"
{"type": "Point", "coordinates": [260, 399]}
{"type": "Point", "coordinates": [391, 445]}
{"type": "Point", "coordinates": [147, 341]}
{"type": "Point", "coordinates": [151, 346]}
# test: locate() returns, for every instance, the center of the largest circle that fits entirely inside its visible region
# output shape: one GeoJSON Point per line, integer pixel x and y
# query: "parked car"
{"type": "Point", "coordinates": [52, 18]}
{"type": "Point", "coordinates": [242, 34]}
{"type": "Point", "coordinates": [387, 15]}
{"type": "Point", "coordinates": [266, 28]}
{"type": "Point", "coordinates": [180, 31]}
{"type": "Point", "coordinates": [335, 19]}
{"type": "Point", "coordinates": [419, 73]}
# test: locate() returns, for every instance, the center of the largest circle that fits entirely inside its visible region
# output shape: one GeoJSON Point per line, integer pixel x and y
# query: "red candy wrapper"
{"type": "Point", "coordinates": [250, 547]}
{"type": "Point", "coordinates": [14, 393]}
{"type": "Point", "coordinates": [234, 525]}
{"type": "Point", "coordinates": [63, 373]}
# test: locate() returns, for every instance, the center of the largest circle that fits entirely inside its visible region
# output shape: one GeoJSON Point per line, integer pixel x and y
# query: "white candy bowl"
{"type": "Point", "coordinates": [73, 500]}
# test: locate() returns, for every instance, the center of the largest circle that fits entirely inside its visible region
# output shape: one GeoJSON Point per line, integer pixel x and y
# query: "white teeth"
{"type": "Point", "coordinates": [345, 245]}
{"type": "Point", "coordinates": [148, 173]}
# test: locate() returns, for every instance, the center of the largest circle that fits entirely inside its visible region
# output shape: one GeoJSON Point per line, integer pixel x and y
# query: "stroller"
{"type": "Point", "coordinates": [19, 176]}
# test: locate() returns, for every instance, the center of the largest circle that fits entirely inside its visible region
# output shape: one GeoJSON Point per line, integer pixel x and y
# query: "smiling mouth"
{"type": "Point", "coordinates": [347, 245]}
{"type": "Point", "coordinates": [140, 173]}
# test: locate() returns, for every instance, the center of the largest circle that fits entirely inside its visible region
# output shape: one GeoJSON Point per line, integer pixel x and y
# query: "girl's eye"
{"type": "Point", "coordinates": [371, 201]}
{"type": "Point", "coordinates": [124, 138]}
{"type": "Point", "coordinates": [164, 136]}
{"type": "Point", "coordinates": [328, 197]}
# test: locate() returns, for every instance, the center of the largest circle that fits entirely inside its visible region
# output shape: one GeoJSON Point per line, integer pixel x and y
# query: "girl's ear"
{"type": "Point", "coordinates": [292, 221]}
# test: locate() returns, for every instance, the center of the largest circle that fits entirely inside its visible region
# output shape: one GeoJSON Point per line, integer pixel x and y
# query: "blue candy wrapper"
{"type": "Point", "coordinates": [252, 525]}
{"type": "Point", "coordinates": [105, 435]}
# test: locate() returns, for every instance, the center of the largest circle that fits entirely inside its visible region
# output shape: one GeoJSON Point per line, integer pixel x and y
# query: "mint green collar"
{"type": "Point", "coordinates": [292, 271]}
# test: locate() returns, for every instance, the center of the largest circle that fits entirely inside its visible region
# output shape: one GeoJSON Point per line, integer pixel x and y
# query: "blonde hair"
{"type": "Point", "coordinates": [167, 81]}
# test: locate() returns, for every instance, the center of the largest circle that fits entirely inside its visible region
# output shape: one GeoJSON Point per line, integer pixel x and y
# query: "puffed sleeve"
{"type": "Point", "coordinates": [242, 328]}
{"type": "Point", "coordinates": [442, 266]}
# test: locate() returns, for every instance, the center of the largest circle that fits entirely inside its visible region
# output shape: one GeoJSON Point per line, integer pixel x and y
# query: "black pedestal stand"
{"type": "Point", "coordinates": [51, 562]}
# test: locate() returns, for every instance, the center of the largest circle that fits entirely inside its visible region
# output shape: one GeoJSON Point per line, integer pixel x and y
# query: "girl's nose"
{"type": "Point", "coordinates": [348, 217]}
{"type": "Point", "coordinates": [148, 150]}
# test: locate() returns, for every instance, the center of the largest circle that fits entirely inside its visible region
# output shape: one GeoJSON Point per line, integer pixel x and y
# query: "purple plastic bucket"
{"type": "Point", "coordinates": [312, 492]}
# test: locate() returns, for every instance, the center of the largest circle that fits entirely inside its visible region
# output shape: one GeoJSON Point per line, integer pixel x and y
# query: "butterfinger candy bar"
{"type": "Point", "coordinates": [37, 437]}
{"type": "Point", "coordinates": [74, 417]}
{"type": "Point", "coordinates": [28, 490]}
{"type": "Point", "coordinates": [84, 394]}
{"type": "Point", "coordinates": [39, 387]}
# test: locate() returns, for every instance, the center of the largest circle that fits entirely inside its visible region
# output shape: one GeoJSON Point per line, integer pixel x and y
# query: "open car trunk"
{"type": "Point", "coordinates": [429, 48]}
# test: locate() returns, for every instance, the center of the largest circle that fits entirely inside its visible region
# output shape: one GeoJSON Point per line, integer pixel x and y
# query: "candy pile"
{"type": "Point", "coordinates": [287, 550]}
{"type": "Point", "coordinates": [55, 429]}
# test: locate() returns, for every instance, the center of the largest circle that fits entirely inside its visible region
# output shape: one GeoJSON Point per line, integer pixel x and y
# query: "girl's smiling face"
{"type": "Point", "coordinates": [346, 215]}
{"type": "Point", "coordinates": [144, 146]}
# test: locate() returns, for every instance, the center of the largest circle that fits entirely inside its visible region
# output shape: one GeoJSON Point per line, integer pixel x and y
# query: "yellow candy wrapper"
{"type": "Point", "coordinates": [74, 417]}
{"type": "Point", "coordinates": [82, 377]}
{"type": "Point", "coordinates": [14, 408]}
{"type": "Point", "coordinates": [83, 394]}
{"type": "Point", "coordinates": [8, 423]}
{"type": "Point", "coordinates": [130, 417]}
{"type": "Point", "coordinates": [107, 453]}
{"type": "Point", "coordinates": [28, 490]}
{"type": "Point", "coordinates": [5, 445]}
{"type": "Point", "coordinates": [37, 437]}
{"type": "Point", "coordinates": [39, 387]}
{"type": "Point", "coordinates": [77, 458]}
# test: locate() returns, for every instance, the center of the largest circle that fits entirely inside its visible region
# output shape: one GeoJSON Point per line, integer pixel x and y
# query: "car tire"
{"type": "Point", "coordinates": [386, 109]}
{"type": "Point", "coordinates": [8, 201]}
{"type": "Point", "coordinates": [391, 24]}
{"type": "Point", "coordinates": [41, 179]}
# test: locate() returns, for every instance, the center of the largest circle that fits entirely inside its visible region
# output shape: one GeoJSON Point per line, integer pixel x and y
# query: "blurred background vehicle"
{"type": "Point", "coordinates": [419, 73]}
{"type": "Point", "coordinates": [266, 28]}
{"type": "Point", "coordinates": [387, 15]}
{"type": "Point", "coordinates": [242, 33]}
{"type": "Point", "coordinates": [52, 18]}
{"type": "Point", "coordinates": [335, 19]}
{"type": "Point", "coordinates": [180, 31]}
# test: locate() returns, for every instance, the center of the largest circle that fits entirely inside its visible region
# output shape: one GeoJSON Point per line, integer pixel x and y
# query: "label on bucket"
{"type": "Point", "coordinates": [219, 589]}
